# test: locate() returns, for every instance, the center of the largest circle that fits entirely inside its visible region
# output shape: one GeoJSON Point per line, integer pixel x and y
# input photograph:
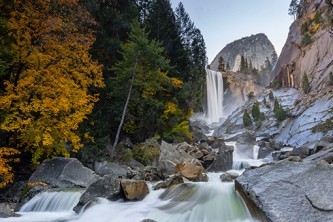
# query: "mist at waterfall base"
{"type": "Point", "coordinates": [214, 114]}
{"type": "Point", "coordinates": [212, 201]}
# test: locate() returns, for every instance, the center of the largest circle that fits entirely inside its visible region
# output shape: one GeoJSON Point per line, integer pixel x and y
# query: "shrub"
{"type": "Point", "coordinates": [250, 95]}
{"type": "Point", "coordinates": [306, 40]}
{"type": "Point", "coordinates": [276, 84]}
{"type": "Point", "coordinates": [304, 27]}
{"type": "Point", "coordinates": [255, 111]}
{"type": "Point", "coordinates": [280, 113]}
{"type": "Point", "coordinates": [247, 121]}
{"type": "Point", "coordinates": [305, 84]}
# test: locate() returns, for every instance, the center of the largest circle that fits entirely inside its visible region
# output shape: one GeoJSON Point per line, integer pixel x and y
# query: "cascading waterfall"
{"type": "Point", "coordinates": [214, 82]}
{"type": "Point", "coordinates": [52, 202]}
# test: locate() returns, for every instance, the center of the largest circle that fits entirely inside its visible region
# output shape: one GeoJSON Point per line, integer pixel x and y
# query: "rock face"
{"type": "Point", "coordinates": [64, 173]}
{"type": "Point", "coordinates": [255, 48]}
{"type": "Point", "coordinates": [289, 191]}
{"type": "Point", "coordinates": [313, 57]}
{"type": "Point", "coordinates": [223, 160]}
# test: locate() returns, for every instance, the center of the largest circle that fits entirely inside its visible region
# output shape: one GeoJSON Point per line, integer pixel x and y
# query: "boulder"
{"type": "Point", "coordinates": [245, 144]}
{"type": "Point", "coordinates": [107, 168]}
{"type": "Point", "coordinates": [228, 177]}
{"type": "Point", "coordinates": [173, 180]}
{"type": "Point", "coordinates": [134, 189]}
{"type": "Point", "coordinates": [223, 159]}
{"type": "Point", "coordinates": [264, 151]}
{"type": "Point", "coordinates": [64, 173]}
{"type": "Point", "coordinates": [107, 187]}
{"type": "Point", "coordinates": [289, 191]}
{"type": "Point", "coordinates": [193, 172]}
{"type": "Point", "coordinates": [170, 156]}
{"type": "Point", "coordinates": [7, 209]}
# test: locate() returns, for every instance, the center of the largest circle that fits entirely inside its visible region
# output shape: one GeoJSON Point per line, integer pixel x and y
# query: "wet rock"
{"type": "Point", "coordinates": [245, 144]}
{"type": "Point", "coordinates": [107, 168]}
{"type": "Point", "coordinates": [134, 189]}
{"type": "Point", "coordinates": [173, 180]}
{"type": "Point", "coordinates": [228, 176]}
{"type": "Point", "coordinates": [264, 151]}
{"type": "Point", "coordinates": [279, 192]}
{"type": "Point", "coordinates": [64, 173]}
{"type": "Point", "coordinates": [223, 159]}
{"type": "Point", "coordinates": [193, 172]}
{"type": "Point", "coordinates": [107, 187]}
{"type": "Point", "coordinates": [7, 209]}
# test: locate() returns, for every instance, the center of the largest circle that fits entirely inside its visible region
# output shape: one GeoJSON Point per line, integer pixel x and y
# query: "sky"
{"type": "Point", "coordinates": [224, 21]}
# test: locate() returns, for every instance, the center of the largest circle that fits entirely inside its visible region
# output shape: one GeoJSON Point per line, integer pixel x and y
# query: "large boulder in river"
{"type": "Point", "coordinates": [134, 189]}
{"type": "Point", "coordinates": [223, 159]}
{"type": "Point", "coordinates": [64, 173]}
{"type": "Point", "coordinates": [107, 187]}
{"type": "Point", "coordinates": [289, 191]}
{"type": "Point", "coordinates": [193, 172]}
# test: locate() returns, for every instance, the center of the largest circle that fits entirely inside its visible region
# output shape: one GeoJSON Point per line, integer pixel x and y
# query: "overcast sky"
{"type": "Point", "coordinates": [223, 21]}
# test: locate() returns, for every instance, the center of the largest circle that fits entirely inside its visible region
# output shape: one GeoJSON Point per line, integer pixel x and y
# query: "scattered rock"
{"type": "Point", "coordinates": [107, 168]}
{"type": "Point", "coordinates": [173, 180]}
{"type": "Point", "coordinates": [107, 187]}
{"type": "Point", "coordinates": [279, 192]}
{"type": "Point", "coordinates": [264, 151]}
{"type": "Point", "coordinates": [134, 189]}
{"type": "Point", "coordinates": [193, 172]}
{"type": "Point", "coordinates": [228, 176]}
{"type": "Point", "coordinates": [64, 173]}
{"type": "Point", "coordinates": [7, 210]}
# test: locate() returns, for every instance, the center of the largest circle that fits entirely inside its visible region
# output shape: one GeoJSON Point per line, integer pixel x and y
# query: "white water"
{"type": "Point", "coordinates": [195, 202]}
{"type": "Point", "coordinates": [214, 84]}
{"type": "Point", "coordinates": [242, 160]}
{"type": "Point", "coordinates": [52, 202]}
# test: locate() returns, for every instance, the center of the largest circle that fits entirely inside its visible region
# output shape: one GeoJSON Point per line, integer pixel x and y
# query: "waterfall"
{"type": "Point", "coordinates": [214, 86]}
{"type": "Point", "coordinates": [52, 202]}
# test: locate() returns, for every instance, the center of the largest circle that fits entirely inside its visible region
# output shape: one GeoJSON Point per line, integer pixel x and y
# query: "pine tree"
{"type": "Point", "coordinates": [242, 64]}
{"type": "Point", "coordinates": [255, 111]}
{"type": "Point", "coordinates": [293, 8]}
{"type": "Point", "coordinates": [271, 96]}
{"type": "Point", "coordinates": [247, 121]}
{"type": "Point", "coordinates": [221, 66]}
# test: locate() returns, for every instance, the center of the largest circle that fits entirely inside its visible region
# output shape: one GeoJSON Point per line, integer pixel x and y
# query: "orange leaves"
{"type": "Point", "coordinates": [6, 157]}
{"type": "Point", "coordinates": [49, 98]}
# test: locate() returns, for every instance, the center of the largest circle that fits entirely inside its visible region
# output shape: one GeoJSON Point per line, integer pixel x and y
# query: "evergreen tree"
{"type": "Point", "coordinates": [247, 121]}
{"type": "Point", "coordinates": [293, 8]}
{"type": "Point", "coordinates": [271, 96]}
{"type": "Point", "coordinates": [150, 106]}
{"type": "Point", "coordinates": [255, 111]}
{"type": "Point", "coordinates": [242, 64]}
{"type": "Point", "coordinates": [305, 84]}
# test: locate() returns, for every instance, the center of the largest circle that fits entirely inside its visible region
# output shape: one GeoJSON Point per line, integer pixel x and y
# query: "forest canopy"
{"type": "Point", "coordinates": [66, 69]}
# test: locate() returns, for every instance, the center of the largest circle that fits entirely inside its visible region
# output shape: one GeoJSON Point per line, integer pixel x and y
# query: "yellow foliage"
{"type": "Point", "coordinates": [177, 82]}
{"type": "Point", "coordinates": [6, 157]}
{"type": "Point", "coordinates": [48, 98]}
{"type": "Point", "coordinates": [183, 129]}
{"type": "Point", "coordinates": [312, 16]}
{"type": "Point", "coordinates": [315, 28]}
{"type": "Point", "coordinates": [170, 109]}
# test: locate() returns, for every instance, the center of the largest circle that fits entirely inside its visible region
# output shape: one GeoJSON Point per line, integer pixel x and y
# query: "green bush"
{"type": "Point", "coordinates": [305, 84]}
{"type": "Point", "coordinates": [250, 95]}
{"type": "Point", "coordinates": [280, 113]}
{"type": "Point", "coordinates": [247, 121]}
{"type": "Point", "coordinates": [276, 84]}
{"type": "Point", "coordinates": [317, 18]}
{"type": "Point", "coordinates": [304, 27]}
{"type": "Point", "coordinates": [306, 40]}
{"type": "Point", "coordinates": [255, 111]}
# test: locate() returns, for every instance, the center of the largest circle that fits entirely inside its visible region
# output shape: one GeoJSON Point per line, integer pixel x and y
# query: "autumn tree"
{"type": "Point", "coordinates": [46, 93]}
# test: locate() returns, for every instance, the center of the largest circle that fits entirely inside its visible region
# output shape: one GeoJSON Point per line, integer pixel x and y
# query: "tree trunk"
{"type": "Point", "coordinates": [123, 116]}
